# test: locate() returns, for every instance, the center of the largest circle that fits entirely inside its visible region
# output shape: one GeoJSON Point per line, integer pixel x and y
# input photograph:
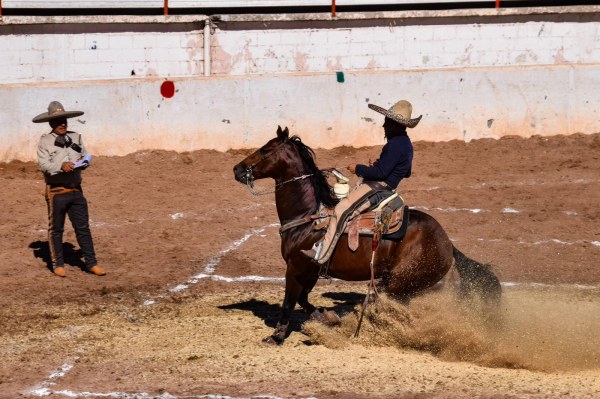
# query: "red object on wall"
{"type": "Point", "coordinates": [167, 89]}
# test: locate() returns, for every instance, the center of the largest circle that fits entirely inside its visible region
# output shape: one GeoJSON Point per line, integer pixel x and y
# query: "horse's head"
{"type": "Point", "coordinates": [290, 162]}
{"type": "Point", "coordinates": [265, 161]}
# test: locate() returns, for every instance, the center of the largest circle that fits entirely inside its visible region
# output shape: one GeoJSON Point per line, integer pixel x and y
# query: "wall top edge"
{"type": "Point", "coordinates": [291, 17]}
{"type": "Point", "coordinates": [101, 19]}
{"type": "Point", "coordinates": [479, 12]}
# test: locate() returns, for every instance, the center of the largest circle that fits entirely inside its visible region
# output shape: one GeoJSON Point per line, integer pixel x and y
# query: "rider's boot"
{"type": "Point", "coordinates": [315, 252]}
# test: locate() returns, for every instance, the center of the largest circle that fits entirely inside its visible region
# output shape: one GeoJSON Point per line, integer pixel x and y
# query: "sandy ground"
{"type": "Point", "coordinates": [178, 316]}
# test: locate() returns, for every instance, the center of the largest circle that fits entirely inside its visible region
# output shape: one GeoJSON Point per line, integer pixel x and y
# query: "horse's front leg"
{"type": "Point", "coordinates": [292, 293]}
{"type": "Point", "coordinates": [306, 289]}
{"type": "Point", "coordinates": [327, 317]}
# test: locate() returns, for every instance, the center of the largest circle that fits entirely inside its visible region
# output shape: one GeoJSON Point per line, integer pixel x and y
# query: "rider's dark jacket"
{"type": "Point", "coordinates": [393, 165]}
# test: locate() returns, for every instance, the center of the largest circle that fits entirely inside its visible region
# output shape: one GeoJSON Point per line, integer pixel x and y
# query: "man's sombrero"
{"type": "Point", "coordinates": [399, 112]}
{"type": "Point", "coordinates": [55, 110]}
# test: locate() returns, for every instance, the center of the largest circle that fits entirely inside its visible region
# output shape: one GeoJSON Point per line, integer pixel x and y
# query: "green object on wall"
{"type": "Point", "coordinates": [340, 77]}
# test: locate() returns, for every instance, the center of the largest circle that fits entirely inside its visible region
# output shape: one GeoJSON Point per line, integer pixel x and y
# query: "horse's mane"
{"type": "Point", "coordinates": [323, 190]}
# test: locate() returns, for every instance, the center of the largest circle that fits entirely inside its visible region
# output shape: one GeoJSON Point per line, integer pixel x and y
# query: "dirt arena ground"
{"type": "Point", "coordinates": [195, 282]}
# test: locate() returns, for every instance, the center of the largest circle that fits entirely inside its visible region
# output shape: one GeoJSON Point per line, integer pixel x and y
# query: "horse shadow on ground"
{"type": "Point", "coordinates": [343, 303]}
{"type": "Point", "coordinates": [72, 256]}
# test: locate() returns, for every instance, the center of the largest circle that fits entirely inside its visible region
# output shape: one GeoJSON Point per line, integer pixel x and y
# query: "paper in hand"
{"type": "Point", "coordinates": [84, 162]}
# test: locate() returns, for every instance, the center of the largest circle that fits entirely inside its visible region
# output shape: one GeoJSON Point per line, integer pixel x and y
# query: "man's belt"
{"type": "Point", "coordinates": [379, 185]}
{"type": "Point", "coordinates": [61, 188]}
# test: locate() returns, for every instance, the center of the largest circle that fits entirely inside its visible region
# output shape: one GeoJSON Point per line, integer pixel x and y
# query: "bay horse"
{"type": "Point", "coordinates": [417, 262]}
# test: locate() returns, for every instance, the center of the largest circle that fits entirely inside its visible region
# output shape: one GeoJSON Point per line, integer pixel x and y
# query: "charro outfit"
{"type": "Point", "coordinates": [379, 180]}
{"type": "Point", "coordinates": [64, 195]}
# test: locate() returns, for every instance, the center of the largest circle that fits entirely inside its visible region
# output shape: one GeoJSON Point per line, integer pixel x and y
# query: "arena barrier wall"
{"type": "Point", "coordinates": [471, 76]}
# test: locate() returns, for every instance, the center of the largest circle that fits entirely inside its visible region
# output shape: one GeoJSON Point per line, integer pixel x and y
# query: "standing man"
{"type": "Point", "coordinates": [380, 178]}
{"type": "Point", "coordinates": [57, 153]}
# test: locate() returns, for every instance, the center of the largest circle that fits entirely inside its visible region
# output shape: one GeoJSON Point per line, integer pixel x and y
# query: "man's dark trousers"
{"type": "Point", "coordinates": [62, 202]}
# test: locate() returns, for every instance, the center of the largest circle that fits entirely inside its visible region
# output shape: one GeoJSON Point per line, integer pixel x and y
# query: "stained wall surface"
{"type": "Point", "coordinates": [471, 73]}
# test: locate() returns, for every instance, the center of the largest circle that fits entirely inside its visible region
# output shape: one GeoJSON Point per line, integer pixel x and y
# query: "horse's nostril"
{"type": "Point", "coordinates": [238, 172]}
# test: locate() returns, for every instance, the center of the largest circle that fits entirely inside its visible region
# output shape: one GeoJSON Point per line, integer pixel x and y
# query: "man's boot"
{"type": "Point", "coordinates": [97, 270]}
{"type": "Point", "coordinates": [315, 252]}
{"type": "Point", "coordinates": [59, 271]}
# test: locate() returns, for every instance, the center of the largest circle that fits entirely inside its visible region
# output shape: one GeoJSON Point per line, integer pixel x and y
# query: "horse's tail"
{"type": "Point", "coordinates": [477, 278]}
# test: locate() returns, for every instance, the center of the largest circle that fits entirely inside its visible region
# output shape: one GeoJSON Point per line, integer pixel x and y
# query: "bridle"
{"type": "Point", "coordinates": [250, 176]}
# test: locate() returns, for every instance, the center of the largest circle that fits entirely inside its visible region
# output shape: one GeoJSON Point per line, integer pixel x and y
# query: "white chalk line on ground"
{"type": "Point", "coordinates": [209, 267]}
{"type": "Point", "coordinates": [486, 185]}
{"type": "Point", "coordinates": [188, 214]}
{"type": "Point", "coordinates": [451, 209]}
{"type": "Point", "coordinates": [511, 211]}
{"type": "Point", "coordinates": [563, 181]}
{"type": "Point", "coordinates": [44, 389]}
{"type": "Point", "coordinates": [510, 284]}
{"type": "Point", "coordinates": [542, 242]}
{"type": "Point", "coordinates": [479, 210]}
{"type": "Point", "coordinates": [181, 215]}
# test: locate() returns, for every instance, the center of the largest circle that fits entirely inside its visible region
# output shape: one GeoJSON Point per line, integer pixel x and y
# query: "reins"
{"type": "Point", "coordinates": [371, 284]}
{"type": "Point", "coordinates": [298, 222]}
{"type": "Point", "coordinates": [276, 186]}
{"type": "Point", "coordinates": [250, 178]}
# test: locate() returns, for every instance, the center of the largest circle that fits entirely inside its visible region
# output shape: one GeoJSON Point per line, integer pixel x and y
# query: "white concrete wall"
{"type": "Point", "coordinates": [222, 113]}
{"type": "Point", "coordinates": [66, 57]}
{"type": "Point", "coordinates": [470, 79]}
{"type": "Point", "coordinates": [421, 44]}
{"type": "Point", "coordinates": [389, 48]}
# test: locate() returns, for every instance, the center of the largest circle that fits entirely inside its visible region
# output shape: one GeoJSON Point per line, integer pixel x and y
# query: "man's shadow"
{"type": "Point", "coordinates": [72, 256]}
{"type": "Point", "coordinates": [344, 302]}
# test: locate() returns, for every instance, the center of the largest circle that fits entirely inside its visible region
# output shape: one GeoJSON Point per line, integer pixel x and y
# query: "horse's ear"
{"type": "Point", "coordinates": [282, 134]}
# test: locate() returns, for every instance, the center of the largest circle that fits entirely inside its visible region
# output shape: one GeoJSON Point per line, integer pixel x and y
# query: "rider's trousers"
{"type": "Point", "coordinates": [359, 199]}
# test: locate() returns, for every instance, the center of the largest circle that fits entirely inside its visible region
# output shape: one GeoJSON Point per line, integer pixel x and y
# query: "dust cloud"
{"type": "Point", "coordinates": [544, 329]}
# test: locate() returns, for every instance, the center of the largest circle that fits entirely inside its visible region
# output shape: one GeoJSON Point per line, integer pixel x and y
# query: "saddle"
{"type": "Point", "coordinates": [386, 220]}
{"type": "Point", "coordinates": [389, 219]}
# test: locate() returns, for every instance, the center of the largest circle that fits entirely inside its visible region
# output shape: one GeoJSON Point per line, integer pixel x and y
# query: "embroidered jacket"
{"type": "Point", "coordinates": [51, 158]}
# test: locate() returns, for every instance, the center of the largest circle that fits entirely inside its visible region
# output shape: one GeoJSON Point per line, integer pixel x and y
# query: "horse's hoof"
{"type": "Point", "coordinates": [272, 340]}
{"type": "Point", "coordinates": [332, 318]}
{"type": "Point", "coordinates": [327, 317]}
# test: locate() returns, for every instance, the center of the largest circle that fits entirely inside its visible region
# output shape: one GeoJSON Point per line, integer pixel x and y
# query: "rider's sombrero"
{"type": "Point", "coordinates": [56, 110]}
{"type": "Point", "coordinates": [399, 112]}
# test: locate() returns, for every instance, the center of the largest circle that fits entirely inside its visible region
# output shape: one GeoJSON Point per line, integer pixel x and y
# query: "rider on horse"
{"type": "Point", "coordinates": [380, 178]}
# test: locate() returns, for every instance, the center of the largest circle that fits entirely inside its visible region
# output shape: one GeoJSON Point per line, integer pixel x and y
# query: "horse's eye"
{"type": "Point", "coordinates": [263, 153]}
